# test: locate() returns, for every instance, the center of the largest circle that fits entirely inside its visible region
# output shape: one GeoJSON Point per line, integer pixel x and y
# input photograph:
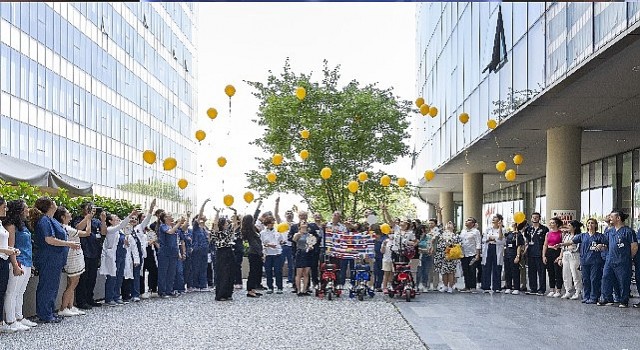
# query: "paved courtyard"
{"type": "Point", "coordinates": [196, 321]}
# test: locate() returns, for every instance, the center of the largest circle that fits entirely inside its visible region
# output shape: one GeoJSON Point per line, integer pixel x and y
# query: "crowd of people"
{"type": "Point", "coordinates": [150, 254]}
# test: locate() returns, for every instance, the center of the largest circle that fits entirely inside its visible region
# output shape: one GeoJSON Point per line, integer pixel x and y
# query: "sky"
{"type": "Point", "coordinates": [373, 42]}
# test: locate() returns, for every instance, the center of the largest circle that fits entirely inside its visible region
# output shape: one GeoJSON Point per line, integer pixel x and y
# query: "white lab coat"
{"type": "Point", "coordinates": [108, 257]}
{"type": "Point", "coordinates": [142, 236]}
{"type": "Point", "coordinates": [132, 256]}
{"type": "Point", "coordinates": [493, 233]}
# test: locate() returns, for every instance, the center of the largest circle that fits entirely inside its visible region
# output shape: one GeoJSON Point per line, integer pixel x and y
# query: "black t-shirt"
{"type": "Point", "coordinates": [513, 240]}
{"type": "Point", "coordinates": [535, 240]}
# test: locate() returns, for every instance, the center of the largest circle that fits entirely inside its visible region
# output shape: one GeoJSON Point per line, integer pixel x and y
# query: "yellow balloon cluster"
{"type": "Point", "coordinates": [492, 124]}
{"type": "Point", "coordinates": [424, 109]}
{"type": "Point", "coordinates": [385, 228]}
{"type": "Point", "coordinates": [282, 227]}
{"type": "Point", "coordinates": [501, 166]}
{"type": "Point", "coordinates": [519, 217]}
{"type": "Point", "coordinates": [419, 102]}
{"type": "Point", "coordinates": [200, 135]}
{"type": "Point", "coordinates": [385, 180]}
{"type": "Point", "coordinates": [301, 93]}
{"type": "Point", "coordinates": [402, 182]}
{"type": "Point", "coordinates": [363, 176]}
{"type": "Point", "coordinates": [149, 156]}
{"type": "Point", "coordinates": [304, 134]}
{"type": "Point", "coordinates": [228, 200]}
{"type": "Point", "coordinates": [222, 161]}
{"type": "Point", "coordinates": [182, 183]}
{"type": "Point", "coordinates": [277, 159]}
{"type": "Point", "coordinates": [169, 164]}
{"type": "Point", "coordinates": [464, 118]}
{"type": "Point", "coordinates": [518, 159]}
{"type": "Point", "coordinates": [429, 175]}
{"type": "Point", "coordinates": [230, 90]}
{"type": "Point", "coordinates": [353, 186]}
{"type": "Point", "coordinates": [248, 197]}
{"type": "Point", "coordinates": [304, 154]}
{"type": "Point", "coordinates": [510, 175]}
{"type": "Point", "coordinates": [271, 177]}
{"type": "Point", "coordinates": [325, 173]}
{"type": "Point", "coordinates": [212, 113]}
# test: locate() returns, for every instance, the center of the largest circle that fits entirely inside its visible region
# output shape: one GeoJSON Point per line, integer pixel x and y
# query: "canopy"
{"type": "Point", "coordinates": [17, 170]}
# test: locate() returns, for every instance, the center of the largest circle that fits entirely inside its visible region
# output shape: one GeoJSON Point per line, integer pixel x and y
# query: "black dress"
{"type": "Point", "coordinates": [225, 263]}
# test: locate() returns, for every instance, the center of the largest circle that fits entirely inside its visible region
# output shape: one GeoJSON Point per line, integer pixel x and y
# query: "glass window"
{"type": "Point", "coordinates": [5, 68]}
{"type": "Point", "coordinates": [609, 20]}
{"type": "Point", "coordinates": [580, 32]}
{"type": "Point", "coordinates": [556, 46]}
{"type": "Point", "coordinates": [520, 93]}
{"type": "Point", "coordinates": [507, 19]}
{"type": "Point", "coordinates": [536, 58]}
{"type": "Point", "coordinates": [519, 20]}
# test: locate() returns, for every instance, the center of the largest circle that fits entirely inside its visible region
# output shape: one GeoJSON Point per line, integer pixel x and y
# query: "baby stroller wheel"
{"type": "Point", "coordinates": [407, 296]}
{"type": "Point", "coordinates": [329, 295]}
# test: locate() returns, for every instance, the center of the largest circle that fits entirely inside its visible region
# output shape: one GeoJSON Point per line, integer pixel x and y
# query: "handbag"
{"type": "Point", "coordinates": [453, 252]}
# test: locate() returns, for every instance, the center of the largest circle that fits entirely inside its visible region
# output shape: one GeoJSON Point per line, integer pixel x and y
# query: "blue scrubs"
{"type": "Point", "coordinates": [167, 260]}
{"type": "Point", "coordinates": [590, 265]}
{"type": "Point", "coordinates": [199, 257]}
{"type": "Point", "coordinates": [49, 261]}
{"type": "Point", "coordinates": [617, 269]}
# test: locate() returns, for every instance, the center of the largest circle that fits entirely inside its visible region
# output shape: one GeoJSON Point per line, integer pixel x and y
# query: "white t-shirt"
{"type": "Point", "coordinates": [386, 256]}
{"type": "Point", "coordinates": [4, 241]}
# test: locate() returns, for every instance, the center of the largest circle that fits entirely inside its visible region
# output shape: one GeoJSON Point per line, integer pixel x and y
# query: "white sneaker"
{"type": "Point", "coordinates": [515, 292]}
{"type": "Point", "coordinates": [136, 299]}
{"type": "Point", "coordinates": [566, 295]}
{"type": "Point", "coordinates": [78, 311]}
{"type": "Point", "coordinates": [18, 327]}
{"type": "Point", "coordinates": [67, 313]}
{"type": "Point", "coordinates": [28, 323]}
{"type": "Point", "coordinates": [146, 295]}
{"type": "Point", "coordinates": [449, 290]}
{"type": "Point", "coordinates": [508, 291]}
{"type": "Point", "coordinates": [557, 295]}
{"type": "Point", "coordinates": [550, 295]}
{"type": "Point", "coordinates": [5, 328]}
{"type": "Point", "coordinates": [576, 296]}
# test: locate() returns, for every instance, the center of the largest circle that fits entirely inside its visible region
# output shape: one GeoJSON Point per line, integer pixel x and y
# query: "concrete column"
{"type": "Point", "coordinates": [563, 169]}
{"type": "Point", "coordinates": [446, 203]}
{"type": "Point", "coordinates": [472, 196]}
{"type": "Point", "coordinates": [431, 211]}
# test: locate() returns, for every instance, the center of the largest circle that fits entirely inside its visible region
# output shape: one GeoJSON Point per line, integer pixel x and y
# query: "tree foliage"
{"type": "Point", "coordinates": [352, 127]}
{"type": "Point", "coordinates": [155, 188]}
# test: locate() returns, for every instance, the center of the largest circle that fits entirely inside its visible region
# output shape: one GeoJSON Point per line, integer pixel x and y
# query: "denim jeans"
{"type": "Point", "coordinates": [109, 289]}
{"type": "Point", "coordinates": [287, 254]}
{"type": "Point", "coordinates": [378, 273]}
{"type": "Point", "coordinates": [273, 265]}
{"type": "Point", "coordinates": [426, 262]}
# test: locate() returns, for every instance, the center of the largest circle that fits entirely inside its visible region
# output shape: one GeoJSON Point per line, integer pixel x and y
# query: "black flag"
{"type": "Point", "coordinates": [499, 56]}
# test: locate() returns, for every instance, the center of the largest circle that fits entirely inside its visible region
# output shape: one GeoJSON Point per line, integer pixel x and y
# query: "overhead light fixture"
{"type": "Point", "coordinates": [592, 130]}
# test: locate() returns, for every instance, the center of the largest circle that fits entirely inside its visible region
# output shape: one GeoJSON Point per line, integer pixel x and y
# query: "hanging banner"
{"type": "Point", "coordinates": [347, 245]}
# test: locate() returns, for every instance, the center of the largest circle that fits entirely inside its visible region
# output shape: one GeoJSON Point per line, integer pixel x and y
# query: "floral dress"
{"type": "Point", "coordinates": [443, 240]}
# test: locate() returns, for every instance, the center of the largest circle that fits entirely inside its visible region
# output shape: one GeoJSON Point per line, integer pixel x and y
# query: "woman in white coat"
{"type": "Point", "coordinates": [112, 261]}
{"type": "Point", "coordinates": [493, 255]}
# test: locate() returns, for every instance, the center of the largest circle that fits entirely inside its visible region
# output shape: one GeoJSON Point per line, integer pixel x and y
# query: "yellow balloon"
{"type": "Point", "coordinates": [519, 217]}
{"type": "Point", "coordinates": [301, 93]}
{"type": "Point", "coordinates": [363, 176]}
{"type": "Point", "coordinates": [424, 109]}
{"type": "Point", "coordinates": [283, 227]}
{"type": "Point", "coordinates": [182, 183]}
{"type": "Point", "coordinates": [518, 159]}
{"type": "Point", "coordinates": [433, 111]}
{"type": "Point", "coordinates": [222, 161]}
{"type": "Point", "coordinates": [464, 118]}
{"type": "Point", "coordinates": [277, 159]}
{"type": "Point", "coordinates": [271, 177]}
{"type": "Point", "coordinates": [353, 186]}
{"type": "Point", "coordinates": [228, 200]}
{"type": "Point", "coordinates": [492, 124]}
{"type": "Point", "coordinates": [304, 154]}
{"type": "Point", "coordinates": [385, 228]}
{"type": "Point", "coordinates": [501, 166]}
{"type": "Point", "coordinates": [325, 173]}
{"type": "Point", "coordinates": [149, 156]}
{"type": "Point", "coordinates": [419, 102]}
{"type": "Point", "coordinates": [169, 164]}
{"type": "Point", "coordinates": [385, 180]}
{"type": "Point", "coordinates": [304, 134]}
{"type": "Point", "coordinates": [402, 182]}
{"type": "Point", "coordinates": [248, 197]}
{"type": "Point", "coordinates": [429, 175]}
{"type": "Point", "coordinates": [229, 90]}
{"type": "Point", "coordinates": [200, 135]}
{"type": "Point", "coordinates": [212, 113]}
{"type": "Point", "coordinates": [510, 175]}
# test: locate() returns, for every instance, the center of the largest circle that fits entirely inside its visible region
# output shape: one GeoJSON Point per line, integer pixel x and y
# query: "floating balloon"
{"type": "Point", "coordinates": [169, 164]}
{"type": "Point", "coordinates": [424, 109]}
{"type": "Point", "coordinates": [182, 183]}
{"type": "Point", "coordinates": [419, 102]}
{"type": "Point", "coordinates": [271, 177]}
{"type": "Point", "coordinates": [222, 161]}
{"type": "Point", "coordinates": [464, 118]}
{"type": "Point", "coordinates": [385, 180]}
{"type": "Point", "coordinates": [200, 135]}
{"type": "Point", "coordinates": [363, 176]}
{"type": "Point", "coordinates": [429, 175]}
{"type": "Point", "coordinates": [385, 228]}
{"type": "Point", "coordinates": [301, 93]}
{"type": "Point", "coordinates": [501, 166]}
{"type": "Point", "coordinates": [304, 134]}
{"type": "Point", "coordinates": [353, 186]}
{"type": "Point", "coordinates": [212, 113]}
{"type": "Point", "coordinates": [277, 159]}
{"type": "Point", "coordinates": [518, 159]}
{"type": "Point", "coordinates": [492, 124]}
{"type": "Point", "coordinates": [304, 154]}
{"type": "Point", "coordinates": [228, 200]}
{"type": "Point", "coordinates": [433, 111]}
{"type": "Point", "coordinates": [325, 173]}
{"type": "Point", "coordinates": [510, 175]}
{"type": "Point", "coordinates": [283, 227]}
{"type": "Point", "coordinates": [149, 156]}
{"type": "Point", "coordinates": [230, 90]}
{"type": "Point", "coordinates": [402, 182]}
{"type": "Point", "coordinates": [519, 217]}
{"type": "Point", "coordinates": [248, 197]}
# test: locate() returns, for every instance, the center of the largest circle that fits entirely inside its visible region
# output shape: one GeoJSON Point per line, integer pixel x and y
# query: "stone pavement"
{"type": "Point", "coordinates": [498, 321]}
{"type": "Point", "coordinates": [196, 321]}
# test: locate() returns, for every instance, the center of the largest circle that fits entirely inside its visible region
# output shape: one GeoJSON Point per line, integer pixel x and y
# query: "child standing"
{"type": "Point", "coordinates": [387, 263]}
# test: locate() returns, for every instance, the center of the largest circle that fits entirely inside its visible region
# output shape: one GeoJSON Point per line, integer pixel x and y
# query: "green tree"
{"type": "Point", "coordinates": [351, 127]}
{"type": "Point", "coordinates": [155, 188]}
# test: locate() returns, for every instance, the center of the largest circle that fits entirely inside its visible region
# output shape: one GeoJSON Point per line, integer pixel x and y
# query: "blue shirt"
{"type": "Point", "coordinates": [619, 242]}
{"type": "Point", "coordinates": [91, 245]}
{"type": "Point", "coordinates": [121, 251]}
{"type": "Point", "coordinates": [168, 242]}
{"type": "Point", "coordinates": [48, 227]}
{"type": "Point", "coordinates": [535, 240]}
{"type": "Point", "coordinates": [187, 237]}
{"type": "Point", "coordinates": [513, 240]}
{"type": "Point", "coordinates": [199, 237]}
{"type": "Point", "coordinates": [588, 254]}
{"type": "Point", "coordinates": [23, 242]}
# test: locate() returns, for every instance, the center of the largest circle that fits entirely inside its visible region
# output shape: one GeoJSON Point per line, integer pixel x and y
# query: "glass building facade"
{"type": "Point", "coordinates": [87, 87]}
{"type": "Point", "coordinates": [544, 43]}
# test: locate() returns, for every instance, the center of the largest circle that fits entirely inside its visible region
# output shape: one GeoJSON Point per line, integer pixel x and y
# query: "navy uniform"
{"type": "Point", "coordinates": [617, 269]}
{"type": "Point", "coordinates": [92, 251]}
{"type": "Point", "coordinates": [534, 241]}
{"type": "Point", "coordinates": [590, 265]}
{"type": "Point", "coordinates": [49, 261]}
{"type": "Point", "coordinates": [513, 242]}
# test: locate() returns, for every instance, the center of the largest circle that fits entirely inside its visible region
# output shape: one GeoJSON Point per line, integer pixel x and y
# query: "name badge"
{"type": "Point", "coordinates": [98, 236]}
{"type": "Point", "coordinates": [531, 243]}
{"type": "Point", "coordinates": [620, 245]}
{"type": "Point", "coordinates": [510, 245]}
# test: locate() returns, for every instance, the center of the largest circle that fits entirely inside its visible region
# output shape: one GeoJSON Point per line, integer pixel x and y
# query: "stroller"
{"type": "Point", "coordinates": [403, 283]}
{"type": "Point", "coordinates": [360, 277]}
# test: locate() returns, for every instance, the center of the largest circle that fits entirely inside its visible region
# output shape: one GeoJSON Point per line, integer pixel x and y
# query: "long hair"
{"type": "Point", "coordinates": [247, 227]}
{"type": "Point", "coordinates": [221, 223]}
{"type": "Point", "coordinates": [42, 205]}
{"type": "Point", "coordinates": [14, 214]}
{"type": "Point", "coordinates": [109, 219]}
{"type": "Point", "coordinates": [59, 214]}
